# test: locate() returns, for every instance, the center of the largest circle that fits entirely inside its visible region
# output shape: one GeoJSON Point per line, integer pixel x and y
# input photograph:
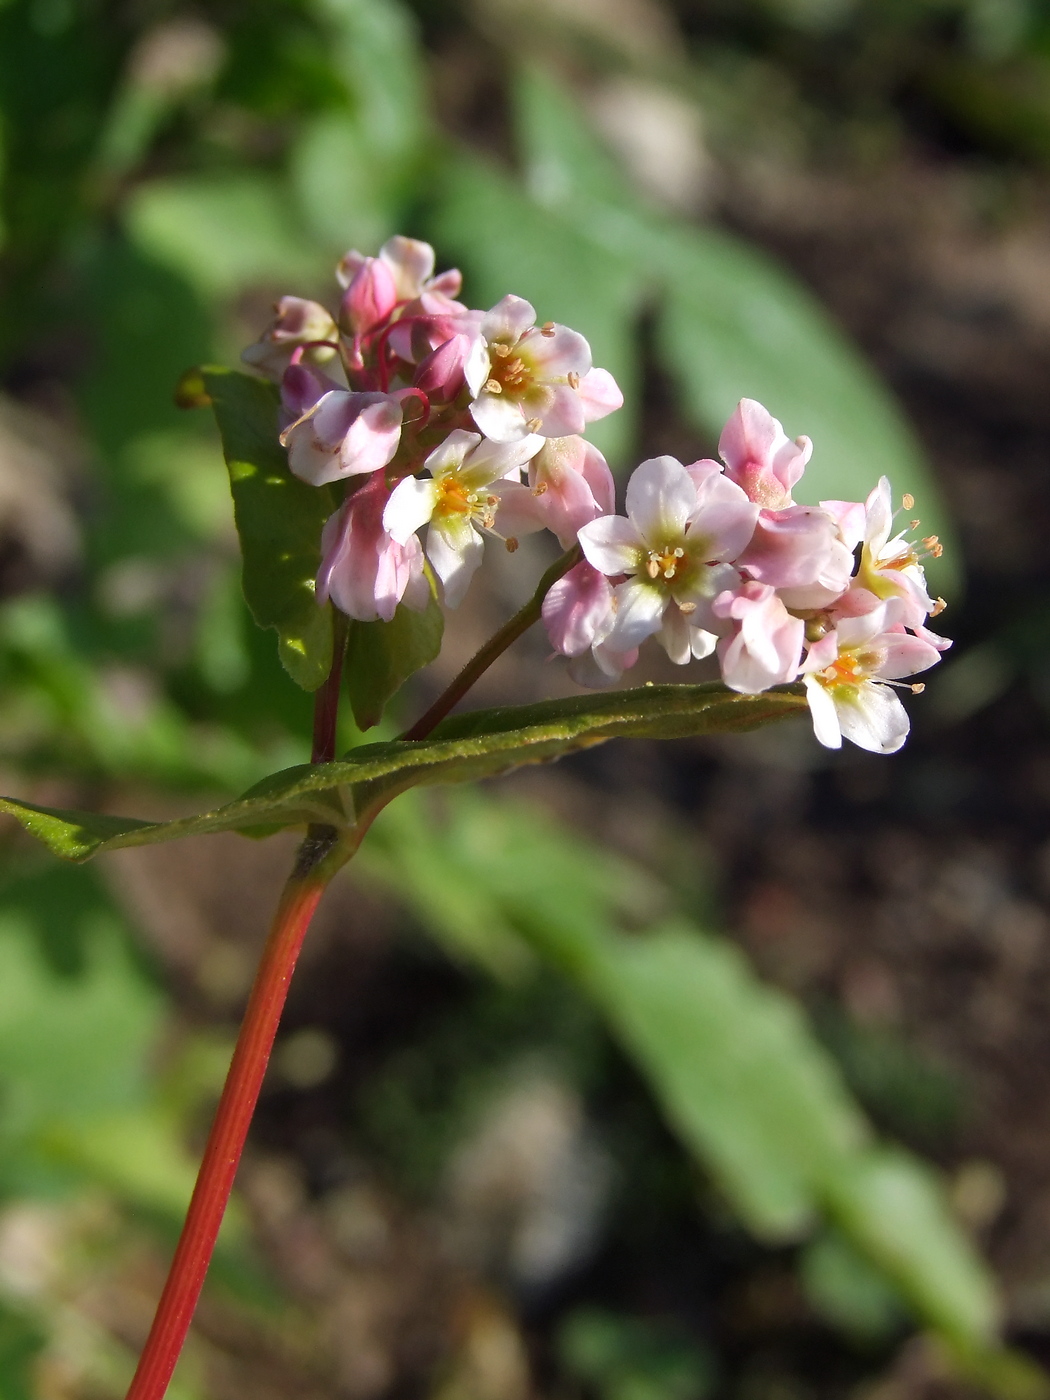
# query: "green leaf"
{"type": "Point", "coordinates": [481, 744]}
{"type": "Point", "coordinates": [509, 243]}
{"type": "Point", "coordinates": [279, 521]}
{"type": "Point", "coordinates": [739, 1075]}
{"type": "Point", "coordinates": [890, 1204]}
{"type": "Point", "coordinates": [222, 234]}
{"type": "Point", "coordinates": [380, 657]}
{"type": "Point", "coordinates": [732, 1063]}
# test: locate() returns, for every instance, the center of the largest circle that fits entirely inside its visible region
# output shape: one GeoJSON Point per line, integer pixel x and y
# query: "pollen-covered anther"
{"type": "Point", "coordinates": [511, 543]}
{"type": "Point", "coordinates": [938, 607]}
{"type": "Point", "coordinates": [686, 608]}
{"type": "Point", "coordinates": [918, 688]}
{"type": "Point", "coordinates": [934, 545]}
{"type": "Point", "coordinates": [908, 501]}
{"type": "Point", "coordinates": [540, 489]}
{"type": "Point", "coordinates": [500, 350]}
{"type": "Point", "coordinates": [493, 386]}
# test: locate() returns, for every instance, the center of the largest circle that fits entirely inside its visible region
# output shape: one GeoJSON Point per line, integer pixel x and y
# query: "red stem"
{"type": "Point", "coordinates": [320, 856]}
{"type": "Point", "coordinates": [326, 701]}
{"type": "Point", "coordinates": [228, 1133]}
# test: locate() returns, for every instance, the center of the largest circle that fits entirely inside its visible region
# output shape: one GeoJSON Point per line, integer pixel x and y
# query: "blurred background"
{"type": "Point", "coordinates": [703, 1069]}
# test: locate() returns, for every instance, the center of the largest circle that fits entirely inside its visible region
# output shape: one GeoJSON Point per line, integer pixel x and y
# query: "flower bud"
{"type": "Point", "coordinates": [369, 299]}
{"type": "Point", "coordinates": [440, 374]}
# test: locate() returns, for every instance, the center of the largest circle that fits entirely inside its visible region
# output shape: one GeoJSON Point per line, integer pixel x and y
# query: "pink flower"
{"type": "Point", "coordinates": [891, 568]}
{"type": "Point", "coordinates": [846, 673]}
{"type": "Point", "coordinates": [764, 647]}
{"type": "Point", "coordinates": [760, 457]}
{"type": "Point", "coordinates": [364, 571]}
{"type": "Point", "coordinates": [578, 610]}
{"type": "Point", "coordinates": [453, 502]}
{"type": "Point", "coordinates": [343, 434]}
{"type": "Point", "coordinates": [296, 323]}
{"type": "Point", "coordinates": [674, 537]}
{"type": "Point", "coordinates": [570, 484]}
{"type": "Point", "coordinates": [529, 379]}
{"type": "Point", "coordinates": [410, 263]}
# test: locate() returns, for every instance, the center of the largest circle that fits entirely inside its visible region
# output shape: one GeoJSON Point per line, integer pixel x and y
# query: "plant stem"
{"type": "Point", "coordinates": [494, 647]}
{"type": "Point", "coordinates": [319, 857]}
{"type": "Point", "coordinates": [322, 853]}
{"type": "Point", "coordinates": [326, 702]}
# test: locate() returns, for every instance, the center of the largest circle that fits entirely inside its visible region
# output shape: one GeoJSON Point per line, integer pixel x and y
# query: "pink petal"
{"type": "Point", "coordinates": [411, 263]}
{"type": "Point", "coordinates": [661, 498]}
{"type": "Point", "coordinates": [576, 608]}
{"type": "Point", "coordinates": [555, 353]}
{"type": "Point", "coordinates": [508, 319]}
{"type": "Point", "coordinates": [600, 394]}
{"type": "Point", "coordinates": [612, 544]}
{"type": "Point", "coordinates": [639, 613]}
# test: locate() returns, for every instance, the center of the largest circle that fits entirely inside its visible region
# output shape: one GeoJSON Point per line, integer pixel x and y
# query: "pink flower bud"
{"type": "Point", "coordinates": [440, 375]}
{"type": "Point", "coordinates": [370, 297]}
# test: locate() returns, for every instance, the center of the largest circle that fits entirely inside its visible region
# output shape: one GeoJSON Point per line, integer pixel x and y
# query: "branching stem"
{"type": "Point", "coordinates": [494, 647]}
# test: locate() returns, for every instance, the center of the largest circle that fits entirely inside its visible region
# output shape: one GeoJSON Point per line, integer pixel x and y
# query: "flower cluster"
{"type": "Point", "coordinates": [469, 423]}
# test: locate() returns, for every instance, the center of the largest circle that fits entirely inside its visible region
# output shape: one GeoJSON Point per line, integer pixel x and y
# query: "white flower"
{"type": "Point", "coordinates": [845, 674]}
{"type": "Point", "coordinates": [454, 500]}
{"type": "Point", "coordinates": [675, 536]}
{"type": "Point", "coordinates": [534, 379]}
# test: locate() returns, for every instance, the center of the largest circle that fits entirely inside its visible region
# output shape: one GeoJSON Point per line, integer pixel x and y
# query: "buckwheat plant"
{"type": "Point", "coordinates": [374, 454]}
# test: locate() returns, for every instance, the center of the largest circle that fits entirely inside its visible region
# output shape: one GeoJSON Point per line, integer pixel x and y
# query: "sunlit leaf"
{"type": "Point", "coordinates": [380, 657]}
{"type": "Point", "coordinates": [467, 747]}
{"type": "Point", "coordinates": [222, 234]}
{"type": "Point", "coordinates": [279, 521]}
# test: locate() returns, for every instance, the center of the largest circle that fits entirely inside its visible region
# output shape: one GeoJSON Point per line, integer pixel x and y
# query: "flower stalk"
{"type": "Point", "coordinates": [496, 645]}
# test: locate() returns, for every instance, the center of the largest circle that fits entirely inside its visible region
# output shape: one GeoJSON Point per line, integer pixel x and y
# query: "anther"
{"type": "Point", "coordinates": [500, 350]}
{"type": "Point", "coordinates": [540, 489]}
{"type": "Point", "coordinates": [917, 688]}
{"type": "Point", "coordinates": [652, 568]}
{"type": "Point", "coordinates": [534, 424]}
{"type": "Point", "coordinates": [687, 608]}
{"type": "Point", "coordinates": [679, 552]}
{"type": "Point", "coordinates": [907, 500]}
{"type": "Point", "coordinates": [511, 544]}
{"type": "Point", "coordinates": [915, 524]}
{"type": "Point", "coordinates": [669, 573]}
{"type": "Point", "coordinates": [493, 386]}
{"type": "Point", "coordinates": [547, 329]}
{"type": "Point", "coordinates": [573, 378]}
{"type": "Point", "coordinates": [938, 607]}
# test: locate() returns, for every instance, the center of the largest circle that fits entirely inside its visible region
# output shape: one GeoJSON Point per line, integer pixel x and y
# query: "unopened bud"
{"type": "Point", "coordinates": [370, 297]}
{"type": "Point", "coordinates": [440, 374]}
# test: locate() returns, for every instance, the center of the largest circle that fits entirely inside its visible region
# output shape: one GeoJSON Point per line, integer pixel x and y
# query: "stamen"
{"type": "Point", "coordinates": [493, 386]}
{"type": "Point", "coordinates": [669, 573]}
{"type": "Point", "coordinates": [534, 424]}
{"type": "Point", "coordinates": [652, 568]}
{"type": "Point", "coordinates": [511, 544]}
{"type": "Point", "coordinates": [908, 500]}
{"type": "Point", "coordinates": [917, 688]}
{"type": "Point", "coordinates": [687, 608]}
{"type": "Point", "coordinates": [540, 489]}
{"type": "Point", "coordinates": [915, 524]}
{"type": "Point", "coordinates": [938, 607]}
{"type": "Point", "coordinates": [934, 545]}
{"type": "Point", "coordinates": [500, 350]}
{"type": "Point", "coordinates": [573, 378]}
{"type": "Point", "coordinates": [547, 329]}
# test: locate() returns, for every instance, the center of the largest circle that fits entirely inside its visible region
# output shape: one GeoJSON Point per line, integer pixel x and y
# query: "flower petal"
{"type": "Point", "coordinates": [509, 318]}
{"type": "Point", "coordinates": [499, 417]}
{"type": "Point", "coordinates": [455, 557]}
{"type": "Point", "coordinates": [411, 505]}
{"type": "Point", "coordinates": [612, 545]}
{"type": "Point", "coordinates": [600, 394]}
{"type": "Point", "coordinates": [557, 351]}
{"type": "Point", "coordinates": [824, 714]}
{"type": "Point", "coordinates": [661, 498]}
{"type": "Point", "coordinates": [871, 716]}
{"type": "Point", "coordinates": [639, 613]}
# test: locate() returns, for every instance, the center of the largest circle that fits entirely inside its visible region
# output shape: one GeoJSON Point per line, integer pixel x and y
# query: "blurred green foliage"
{"type": "Point", "coordinates": [161, 176]}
